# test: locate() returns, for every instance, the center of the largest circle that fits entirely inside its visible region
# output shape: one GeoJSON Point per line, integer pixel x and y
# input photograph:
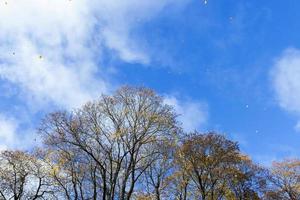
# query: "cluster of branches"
{"type": "Point", "coordinates": [130, 146]}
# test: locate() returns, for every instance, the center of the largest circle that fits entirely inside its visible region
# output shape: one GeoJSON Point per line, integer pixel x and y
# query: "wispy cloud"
{"type": "Point", "coordinates": [275, 152]}
{"type": "Point", "coordinates": [51, 51]}
{"type": "Point", "coordinates": [44, 50]}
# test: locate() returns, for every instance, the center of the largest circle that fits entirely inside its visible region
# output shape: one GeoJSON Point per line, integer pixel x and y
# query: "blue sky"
{"type": "Point", "coordinates": [232, 66]}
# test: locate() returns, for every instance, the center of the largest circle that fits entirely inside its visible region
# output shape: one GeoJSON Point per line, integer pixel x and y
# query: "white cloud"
{"type": "Point", "coordinates": [8, 129]}
{"type": "Point", "coordinates": [69, 36]}
{"type": "Point", "coordinates": [46, 79]}
{"type": "Point", "coordinates": [50, 51]}
{"type": "Point", "coordinates": [43, 50]}
{"type": "Point", "coordinates": [12, 135]}
{"type": "Point", "coordinates": [286, 81]}
{"type": "Point", "coordinates": [193, 115]}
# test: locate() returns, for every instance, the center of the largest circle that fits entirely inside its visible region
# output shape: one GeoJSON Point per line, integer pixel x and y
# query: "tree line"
{"type": "Point", "coordinates": [129, 145]}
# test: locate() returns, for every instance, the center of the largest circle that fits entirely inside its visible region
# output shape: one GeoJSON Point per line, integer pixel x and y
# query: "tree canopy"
{"type": "Point", "coordinates": [129, 145]}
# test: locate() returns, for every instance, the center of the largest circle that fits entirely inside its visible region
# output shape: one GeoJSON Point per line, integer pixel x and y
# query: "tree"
{"type": "Point", "coordinates": [158, 177]}
{"type": "Point", "coordinates": [23, 176]}
{"type": "Point", "coordinates": [180, 186]}
{"type": "Point", "coordinates": [130, 146]}
{"type": "Point", "coordinates": [247, 180]}
{"type": "Point", "coordinates": [208, 160]}
{"type": "Point", "coordinates": [115, 133]}
{"type": "Point", "coordinates": [284, 180]}
{"type": "Point", "coordinates": [73, 176]}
